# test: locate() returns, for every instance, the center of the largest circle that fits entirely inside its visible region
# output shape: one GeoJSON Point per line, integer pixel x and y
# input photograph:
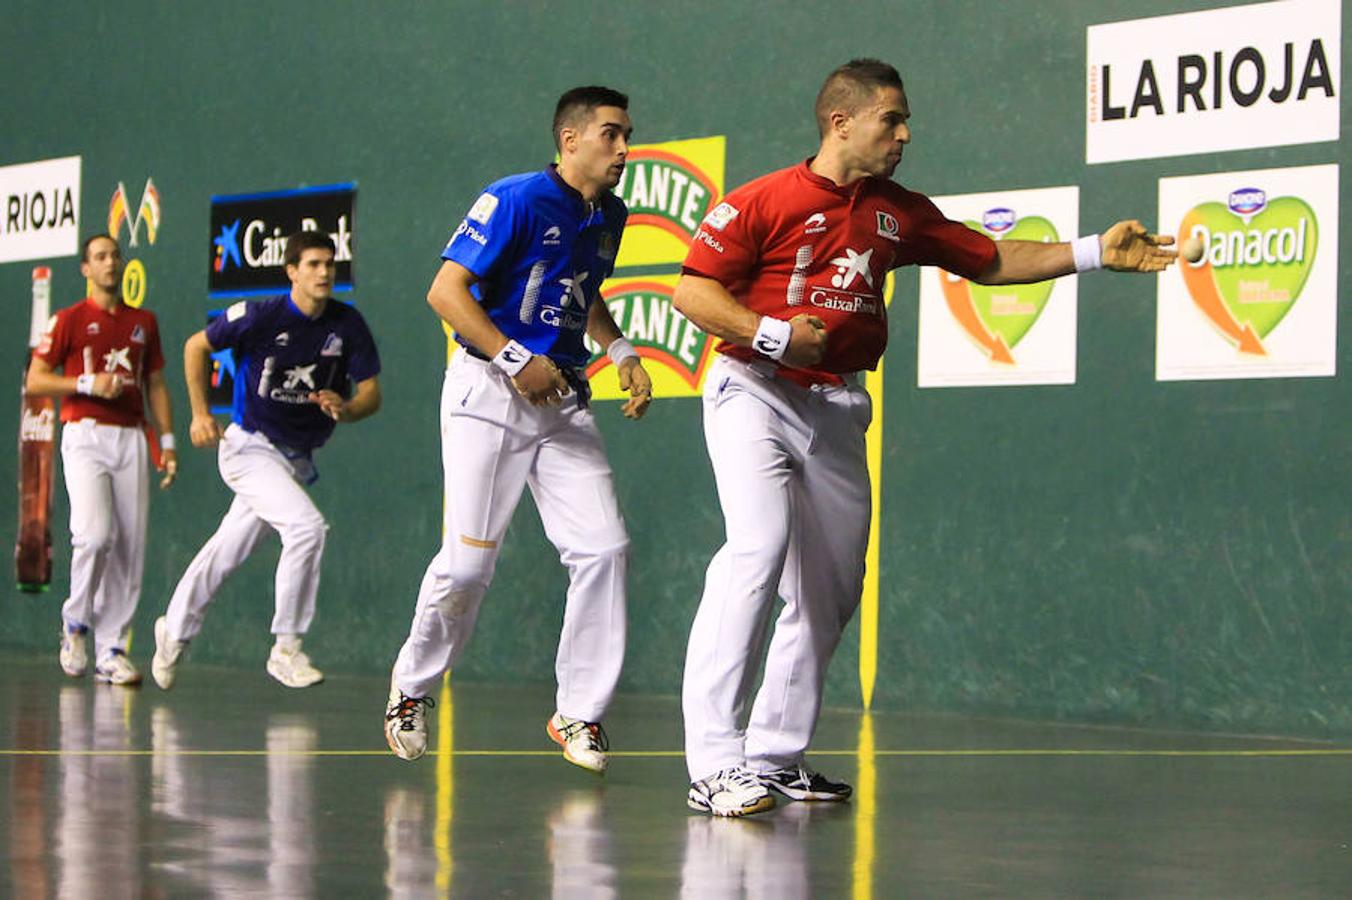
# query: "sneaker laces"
{"type": "Point", "coordinates": [596, 735]}
{"type": "Point", "coordinates": [739, 777]}
{"type": "Point", "coordinates": [408, 709]}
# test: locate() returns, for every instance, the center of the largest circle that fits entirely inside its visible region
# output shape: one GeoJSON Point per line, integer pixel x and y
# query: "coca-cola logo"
{"type": "Point", "coordinates": [37, 426]}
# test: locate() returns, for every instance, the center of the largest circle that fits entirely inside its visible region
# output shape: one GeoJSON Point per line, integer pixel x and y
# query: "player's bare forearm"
{"type": "Point", "coordinates": [714, 310]}
{"type": "Point", "coordinates": [197, 352]}
{"type": "Point", "coordinates": [450, 297]}
{"type": "Point", "coordinates": [44, 381]}
{"type": "Point", "coordinates": [365, 401]}
{"type": "Point", "coordinates": [161, 409]}
{"type": "Point", "coordinates": [601, 326]}
{"type": "Point", "coordinates": [1022, 262]}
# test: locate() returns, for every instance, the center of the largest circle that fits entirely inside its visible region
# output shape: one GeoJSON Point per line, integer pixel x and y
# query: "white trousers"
{"type": "Point", "coordinates": [793, 483]}
{"type": "Point", "coordinates": [267, 495]}
{"type": "Point", "coordinates": [493, 445]}
{"type": "Point", "coordinates": [108, 481]}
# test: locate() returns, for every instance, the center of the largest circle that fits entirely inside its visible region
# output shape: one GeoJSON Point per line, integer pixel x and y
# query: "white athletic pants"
{"type": "Point", "coordinates": [793, 483]}
{"type": "Point", "coordinates": [494, 444]}
{"type": "Point", "coordinates": [267, 495]}
{"type": "Point", "coordinates": [107, 479]}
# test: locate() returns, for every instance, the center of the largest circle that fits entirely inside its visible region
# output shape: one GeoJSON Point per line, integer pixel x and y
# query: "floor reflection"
{"type": "Point", "coordinates": [580, 852]}
{"type": "Point", "coordinates": [216, 843]}
{"type": "Point", "coordinates": [97, 835]}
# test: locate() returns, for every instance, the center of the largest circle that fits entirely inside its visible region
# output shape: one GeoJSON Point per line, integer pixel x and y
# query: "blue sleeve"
{"type": "Point", "coordinates": [231, 328]}
{"type": "Point", "coordinates": [363, 360]}
{"type": "Point", "coordinates": [487, 236]}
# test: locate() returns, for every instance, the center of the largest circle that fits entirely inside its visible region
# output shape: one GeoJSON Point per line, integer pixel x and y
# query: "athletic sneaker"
{"type": "Point", "coordinates": [292, 667]}
{"type": "Point", "coordinates": [115, 668]}
{"type": "Point", "coordinates": [74, 658]}
{"type": "Point", "coordinates": [406, 724]}
{"type": "Point", "coordinates": [167, 654]}
{"type": "Point", "coordinates": [584, 743]}
{"type": "Point", "coordinates": [734, 791]}
{"type": "Point", "coordinates": [801, 783]}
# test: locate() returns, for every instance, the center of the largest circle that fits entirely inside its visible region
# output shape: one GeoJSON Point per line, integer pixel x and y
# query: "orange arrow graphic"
{"type": "Point", "coordinates": [958, 295]}
{"type": "Point", "coordinates": [1201, 284]}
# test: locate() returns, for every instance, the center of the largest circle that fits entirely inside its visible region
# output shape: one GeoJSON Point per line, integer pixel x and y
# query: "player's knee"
{"type": "Point", "coordinates": [93, 537]}
{"type": "Point", "coordinates": [307, 534]}
{"type": "Point", "coordinates": [609, 549]}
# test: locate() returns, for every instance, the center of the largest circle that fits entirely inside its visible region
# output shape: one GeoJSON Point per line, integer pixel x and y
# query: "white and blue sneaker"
{"type": "Point", "coordinates": [73, 656]}
{"type": "Point", "coordinates": [801, 783]}
{"type": "Point", "coordinates": [734, 791]}
{"type": "Point", "coordinates": [115, 668]}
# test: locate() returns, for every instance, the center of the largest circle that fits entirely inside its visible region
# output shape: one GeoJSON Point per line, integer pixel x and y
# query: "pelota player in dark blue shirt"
{"type": "Point", "coordinates": [297, 355]}
{"type": "Point", "coordinates": [520, 286]}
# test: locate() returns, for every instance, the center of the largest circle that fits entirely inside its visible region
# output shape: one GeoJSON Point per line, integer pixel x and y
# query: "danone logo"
{"type": "Point", "coordinates": [643, 309]}
{"type": "Point", "coordinates": [997, 317]}
{"type": "Point", "coordinates": [1258, 256]}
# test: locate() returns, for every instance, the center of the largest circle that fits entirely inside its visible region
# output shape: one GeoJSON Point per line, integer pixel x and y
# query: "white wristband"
{"type": "Point", "coordinates": [620, 349]}
{"type": "Point", "coordinates": [167, 441]}
{"type": "Point", "coordinates": [1088, 253]}
{"type": "Point", "coordinates": [512, 358]}
{"type": "Point", "coordinates": [84, 384]}
{"type": "Point", "coordinates": [772, 337]}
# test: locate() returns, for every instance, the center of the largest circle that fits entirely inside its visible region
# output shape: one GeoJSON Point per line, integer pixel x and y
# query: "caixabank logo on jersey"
{"type": "Point", "coordinates": [1260, 75]}
{"type": "Point", "coordinates": [249, 231]}
{"type": "Point", "coordinates": [669, 188]}
{"type": "Point", "coordinates": [974, 334]}
{"type": "Point", "coordinates": [1262, 299]}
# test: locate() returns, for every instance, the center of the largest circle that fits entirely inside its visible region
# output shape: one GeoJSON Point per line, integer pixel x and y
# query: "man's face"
{"type": "Point", "coordinates": [313, 275]}
{"type": "Point", "coordinates": [103, 265]}
{"type": "Point", "coordinates": [601, 146]}
{"type": "Point", "coordinates": [878, 132]}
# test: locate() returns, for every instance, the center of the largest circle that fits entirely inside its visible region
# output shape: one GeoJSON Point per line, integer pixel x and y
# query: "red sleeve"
{"type": "Point", "coordinates": [950, 245]}
{"type": "Point", "coordinates": [154, 355]}
{"type": "Point", "coordinates": [55, 345]}
{"type": "Point", "coordinates": [725, 247]}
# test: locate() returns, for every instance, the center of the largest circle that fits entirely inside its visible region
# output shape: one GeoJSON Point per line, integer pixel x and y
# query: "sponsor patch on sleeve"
{"type": "Point", "coordinates": [719, 217]}
{"type": "Point", "coordinates": [236, 311]}
{"type": "Point", "coordinates": [483, 208]}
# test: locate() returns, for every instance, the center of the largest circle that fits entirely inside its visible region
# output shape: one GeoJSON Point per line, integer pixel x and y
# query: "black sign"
{"type": "Point", "coordinates": [249, 232]}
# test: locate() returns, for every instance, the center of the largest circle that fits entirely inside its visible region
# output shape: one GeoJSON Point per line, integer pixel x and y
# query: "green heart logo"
{"type": "Point", "coordinates": [998, 316]}
{"type": "Point", "coordinates": [1251, 273]}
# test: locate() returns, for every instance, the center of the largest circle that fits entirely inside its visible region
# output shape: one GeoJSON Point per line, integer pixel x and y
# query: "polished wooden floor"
{"type": "Point", "coordinates": [232, 785]}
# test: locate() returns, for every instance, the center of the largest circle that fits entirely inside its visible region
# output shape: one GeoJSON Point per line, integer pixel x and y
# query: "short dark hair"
{"type": "Point", "coordinates": [851, 86]}
{"type": "Point", "coordinates": [577, 105]}
{"type": "Point", "coordinates": [298, 243]}
{"type": "Point", "coordinates": [102, 235]}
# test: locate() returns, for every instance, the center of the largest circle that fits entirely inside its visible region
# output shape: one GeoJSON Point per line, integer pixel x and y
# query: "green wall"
{"type": "Point", "coordinates": [1119, 550]}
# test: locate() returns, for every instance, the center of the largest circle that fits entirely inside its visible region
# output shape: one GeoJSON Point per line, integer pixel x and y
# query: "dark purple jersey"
{"type": "Point", "coordinates": [283, 356]}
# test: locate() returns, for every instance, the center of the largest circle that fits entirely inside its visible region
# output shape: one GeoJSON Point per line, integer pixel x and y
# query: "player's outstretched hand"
{"type": "Point", "coordinates": [635, 379]}
{"type": "Point", "coordinates": [807, 341]}
{"type": "Point", "coordinates": [541, 382]}
{"type": "Point", "coordinates": [1128, 247]}
{"type": "Point", "coordinates": [331, 403]}
{"type": "Point", "coordinates": [169, 466]}
{"type": "Point", "coordinates": [205, 431]}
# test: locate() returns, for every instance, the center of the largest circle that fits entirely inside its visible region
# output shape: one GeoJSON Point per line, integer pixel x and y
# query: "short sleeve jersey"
{"type": "Point", "coordinates": [795, 242]}
{"type": "Point", "coordinates": [282, 356]}
{"type": "Point", "coordinates": [541, 253]}
{"type": "Point", "coordinates": [86, 339]}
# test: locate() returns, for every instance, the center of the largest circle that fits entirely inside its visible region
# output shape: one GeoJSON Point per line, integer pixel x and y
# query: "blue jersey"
{"type": "Point", "coordinates": [541, 253]}
{"type": "Point", "coordinates": [282, 355]}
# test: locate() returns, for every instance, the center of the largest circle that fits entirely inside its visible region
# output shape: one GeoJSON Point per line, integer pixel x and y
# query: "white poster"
{"type": "Point", "coordinates": [40, 209]}
{"type": "Point", "coordinates": [1262, 75]}
{"type": "Point", "coordinates": [1262, 301]}
{"type": "Point", "coordinates": [971, 334]}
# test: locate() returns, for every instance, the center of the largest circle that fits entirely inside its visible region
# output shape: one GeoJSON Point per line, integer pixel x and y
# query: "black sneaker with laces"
{"type": "Point", "coordinates": [801, 783]}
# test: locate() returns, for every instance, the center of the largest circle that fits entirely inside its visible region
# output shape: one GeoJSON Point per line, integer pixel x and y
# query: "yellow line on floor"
{"type": "Point", "coordinates": [673, 754]}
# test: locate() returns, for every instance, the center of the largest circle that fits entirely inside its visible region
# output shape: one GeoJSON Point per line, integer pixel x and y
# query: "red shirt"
{"type": "Point", "coordinates": [86, 339]}
{"type": "Point", "coordinates": [795, 242]}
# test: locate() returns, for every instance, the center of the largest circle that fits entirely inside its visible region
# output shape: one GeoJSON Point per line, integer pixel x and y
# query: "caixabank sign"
{"type": "Point", "coordinates": [249, 231]}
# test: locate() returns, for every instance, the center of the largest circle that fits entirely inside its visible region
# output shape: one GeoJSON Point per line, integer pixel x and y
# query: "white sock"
{"type": "Point", "coordinates": [288, 643]}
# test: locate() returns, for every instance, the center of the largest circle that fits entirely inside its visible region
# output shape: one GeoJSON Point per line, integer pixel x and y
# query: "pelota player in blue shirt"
{"type": "Point", "coordinates": [296, 356]}
{"type": "Point", "coordinates": [520, 286]}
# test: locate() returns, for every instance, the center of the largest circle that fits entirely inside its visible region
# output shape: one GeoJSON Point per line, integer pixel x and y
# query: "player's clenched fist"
{"type": "Point", "coordinates": [541, 382]}
{"type": "Point", "coordinates": [107, 385]}
{"type": "Point", "coordinates": [204, 431]}
{"type": "Point", "coordinates": [807, 341]}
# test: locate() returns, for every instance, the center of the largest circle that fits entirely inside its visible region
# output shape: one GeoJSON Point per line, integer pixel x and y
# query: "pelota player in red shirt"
{"type": "Point", "coordinates": [111, 365]}
{"type": "Point", "coordinates": [789, 271]}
